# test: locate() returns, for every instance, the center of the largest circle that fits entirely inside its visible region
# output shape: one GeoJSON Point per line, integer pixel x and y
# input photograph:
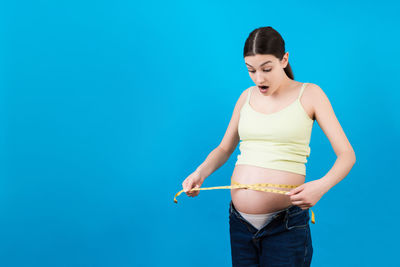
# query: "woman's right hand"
{"type": "Point", "coordinates": [192, 181]}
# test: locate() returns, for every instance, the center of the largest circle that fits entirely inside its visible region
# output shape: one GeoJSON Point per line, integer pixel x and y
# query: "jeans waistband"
{"type": "Point", "coordinates": [290, 211]}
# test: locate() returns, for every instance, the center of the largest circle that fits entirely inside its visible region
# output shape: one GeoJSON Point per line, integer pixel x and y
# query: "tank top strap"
{"type": "Point", "coordinates": [301, 90]}
{"type": "Point", "coordinates": [248, 94]}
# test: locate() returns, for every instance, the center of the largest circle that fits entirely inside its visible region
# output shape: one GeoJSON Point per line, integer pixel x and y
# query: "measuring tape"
{"type": "Point", "coordinates": [257, 187]}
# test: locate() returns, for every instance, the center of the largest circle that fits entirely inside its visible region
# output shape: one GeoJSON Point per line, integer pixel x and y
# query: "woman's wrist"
{"type": "Point", "coordinates": [325, 185]}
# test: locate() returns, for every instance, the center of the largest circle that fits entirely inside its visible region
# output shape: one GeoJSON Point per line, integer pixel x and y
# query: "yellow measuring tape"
{"type": "Point", "coordinates": [258, 187]}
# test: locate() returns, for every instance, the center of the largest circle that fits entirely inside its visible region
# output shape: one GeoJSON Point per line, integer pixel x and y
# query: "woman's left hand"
{"type": "Point", "coordinates": [307, 194]}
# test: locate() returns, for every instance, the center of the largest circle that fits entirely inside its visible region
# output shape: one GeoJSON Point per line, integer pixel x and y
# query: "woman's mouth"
{"type": "Point", "coordinates": [263, 89]}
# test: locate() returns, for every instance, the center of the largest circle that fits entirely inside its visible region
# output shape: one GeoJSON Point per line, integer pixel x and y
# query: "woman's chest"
{"type": "Point", "coordinates": [289, 125]}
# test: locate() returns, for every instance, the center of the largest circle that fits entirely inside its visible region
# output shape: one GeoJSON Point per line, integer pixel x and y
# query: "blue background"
{"type": "Point", "coordinates": [107, 106]}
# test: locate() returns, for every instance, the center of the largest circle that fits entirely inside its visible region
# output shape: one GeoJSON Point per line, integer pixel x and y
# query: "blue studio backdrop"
{"type": "Point", "coordinates": [107, 106]}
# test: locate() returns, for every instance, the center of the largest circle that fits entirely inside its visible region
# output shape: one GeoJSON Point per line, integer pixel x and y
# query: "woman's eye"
{"type": "Point", "coordinates": [264, 71]}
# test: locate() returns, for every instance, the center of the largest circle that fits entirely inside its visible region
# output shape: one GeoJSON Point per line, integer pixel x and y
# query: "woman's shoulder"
{"type": "Point", "coordinates": [311, 85]}
{"type": "Point", "coordinates": [243, 97]}
{"type": "Point", "coordinates": [313, 91]}
{"type": "Point", "coordinates": [312, 96]}
{"type": "Point", "coordinates": [247, 91]}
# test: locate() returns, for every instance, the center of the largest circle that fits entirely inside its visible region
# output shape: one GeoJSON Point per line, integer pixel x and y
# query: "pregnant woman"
{"type": "Point", "coordinates": [273, 120]}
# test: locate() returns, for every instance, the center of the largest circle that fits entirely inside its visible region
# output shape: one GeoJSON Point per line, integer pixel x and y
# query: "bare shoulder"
{"type": "Point", "coordinates": [231, 138]}
{"type": "Point", "coordinates": [242, 98]}
{"type": "Point", "coordinates": [329, 123]}
{"type": "Point", "coordinates": [245, 92]}
{"type": "Point", "coordinates": [314, 90]}
{"type": "Point", "coordinates": [315, 95]}
{"type": "Point", "coordinates": [320, 103]}
{"type": "Point", "coordinates": [309, 97]}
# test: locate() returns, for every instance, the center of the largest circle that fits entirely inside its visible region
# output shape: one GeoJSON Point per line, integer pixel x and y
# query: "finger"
{"type": "Point", "coordinates": [194, 190]}
{"type": "Point", "coordinates": [295, 190]}
{"type": "Point", "coordinates": [194, 193]}
{"type": "Point", "coordinates": [297, 203]}
{"type": "Point", "coordinates": [191, 192]}
{"type": "Point", "coordinates": [184, 184]}
{"type": "Point", "coordinates": [297, 197]}
{"type": "Point", "coordinates": [188, 186]}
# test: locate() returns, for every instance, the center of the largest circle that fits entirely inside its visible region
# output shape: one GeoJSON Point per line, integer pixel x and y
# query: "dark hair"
{"type": "Point", "coordinates": [266, 40]}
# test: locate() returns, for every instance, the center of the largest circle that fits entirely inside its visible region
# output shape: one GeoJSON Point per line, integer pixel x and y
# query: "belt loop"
{"type": "Point", "coordinates": [286, 219]}
{"type": "Point", "coordinates": [286, 214]}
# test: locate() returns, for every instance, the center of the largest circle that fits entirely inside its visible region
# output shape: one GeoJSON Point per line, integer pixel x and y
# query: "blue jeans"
{"type": "Point", "coordinates": [285, 241]}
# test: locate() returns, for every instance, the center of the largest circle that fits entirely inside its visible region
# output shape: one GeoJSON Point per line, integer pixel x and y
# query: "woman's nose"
{"type": "Point", "coordinates": [259, 78]}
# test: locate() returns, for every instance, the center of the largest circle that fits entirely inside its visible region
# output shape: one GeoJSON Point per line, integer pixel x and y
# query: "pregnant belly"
{"type": "Point", "coordinates": [256, 202]}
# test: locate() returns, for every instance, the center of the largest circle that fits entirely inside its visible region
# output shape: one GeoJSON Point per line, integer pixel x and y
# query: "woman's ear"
{"type": "Point", "coordinates": [285, 60]}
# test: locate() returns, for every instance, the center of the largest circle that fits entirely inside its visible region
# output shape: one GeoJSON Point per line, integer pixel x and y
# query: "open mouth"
{"type": "Point", "coordinates": [263, 88]}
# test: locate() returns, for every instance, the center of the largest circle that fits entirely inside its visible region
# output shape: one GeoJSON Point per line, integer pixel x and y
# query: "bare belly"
{"type": "Point", "coordinates": [257, 202]}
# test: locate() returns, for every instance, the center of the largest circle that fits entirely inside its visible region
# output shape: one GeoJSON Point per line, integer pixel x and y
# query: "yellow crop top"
{"type": "Point", "coordinates": [278, 140]}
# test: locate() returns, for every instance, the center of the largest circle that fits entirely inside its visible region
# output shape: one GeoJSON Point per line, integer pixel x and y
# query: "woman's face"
{"type": "Point", "coordinates": [267, 70]}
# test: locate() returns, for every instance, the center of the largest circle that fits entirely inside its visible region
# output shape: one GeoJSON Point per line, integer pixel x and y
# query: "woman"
{"type": "Point", "coordinates": [273, 120]}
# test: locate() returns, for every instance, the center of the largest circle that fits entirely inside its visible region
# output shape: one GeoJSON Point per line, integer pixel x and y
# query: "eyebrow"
{"type": "Point", "coordinates": [269, 61]}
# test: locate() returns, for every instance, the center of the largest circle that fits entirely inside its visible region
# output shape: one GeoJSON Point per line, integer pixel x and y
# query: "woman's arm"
{"type": "Point", "coordinates": [214, 160]}
{"type": "Point", "coordinates": [342, 166]}
{"type": "Point", "coordinates": [308, 194]}
{"type": "Point", "coordinates": [330, 125]}
{"type": "Point", "coordinates": [228, 143]}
